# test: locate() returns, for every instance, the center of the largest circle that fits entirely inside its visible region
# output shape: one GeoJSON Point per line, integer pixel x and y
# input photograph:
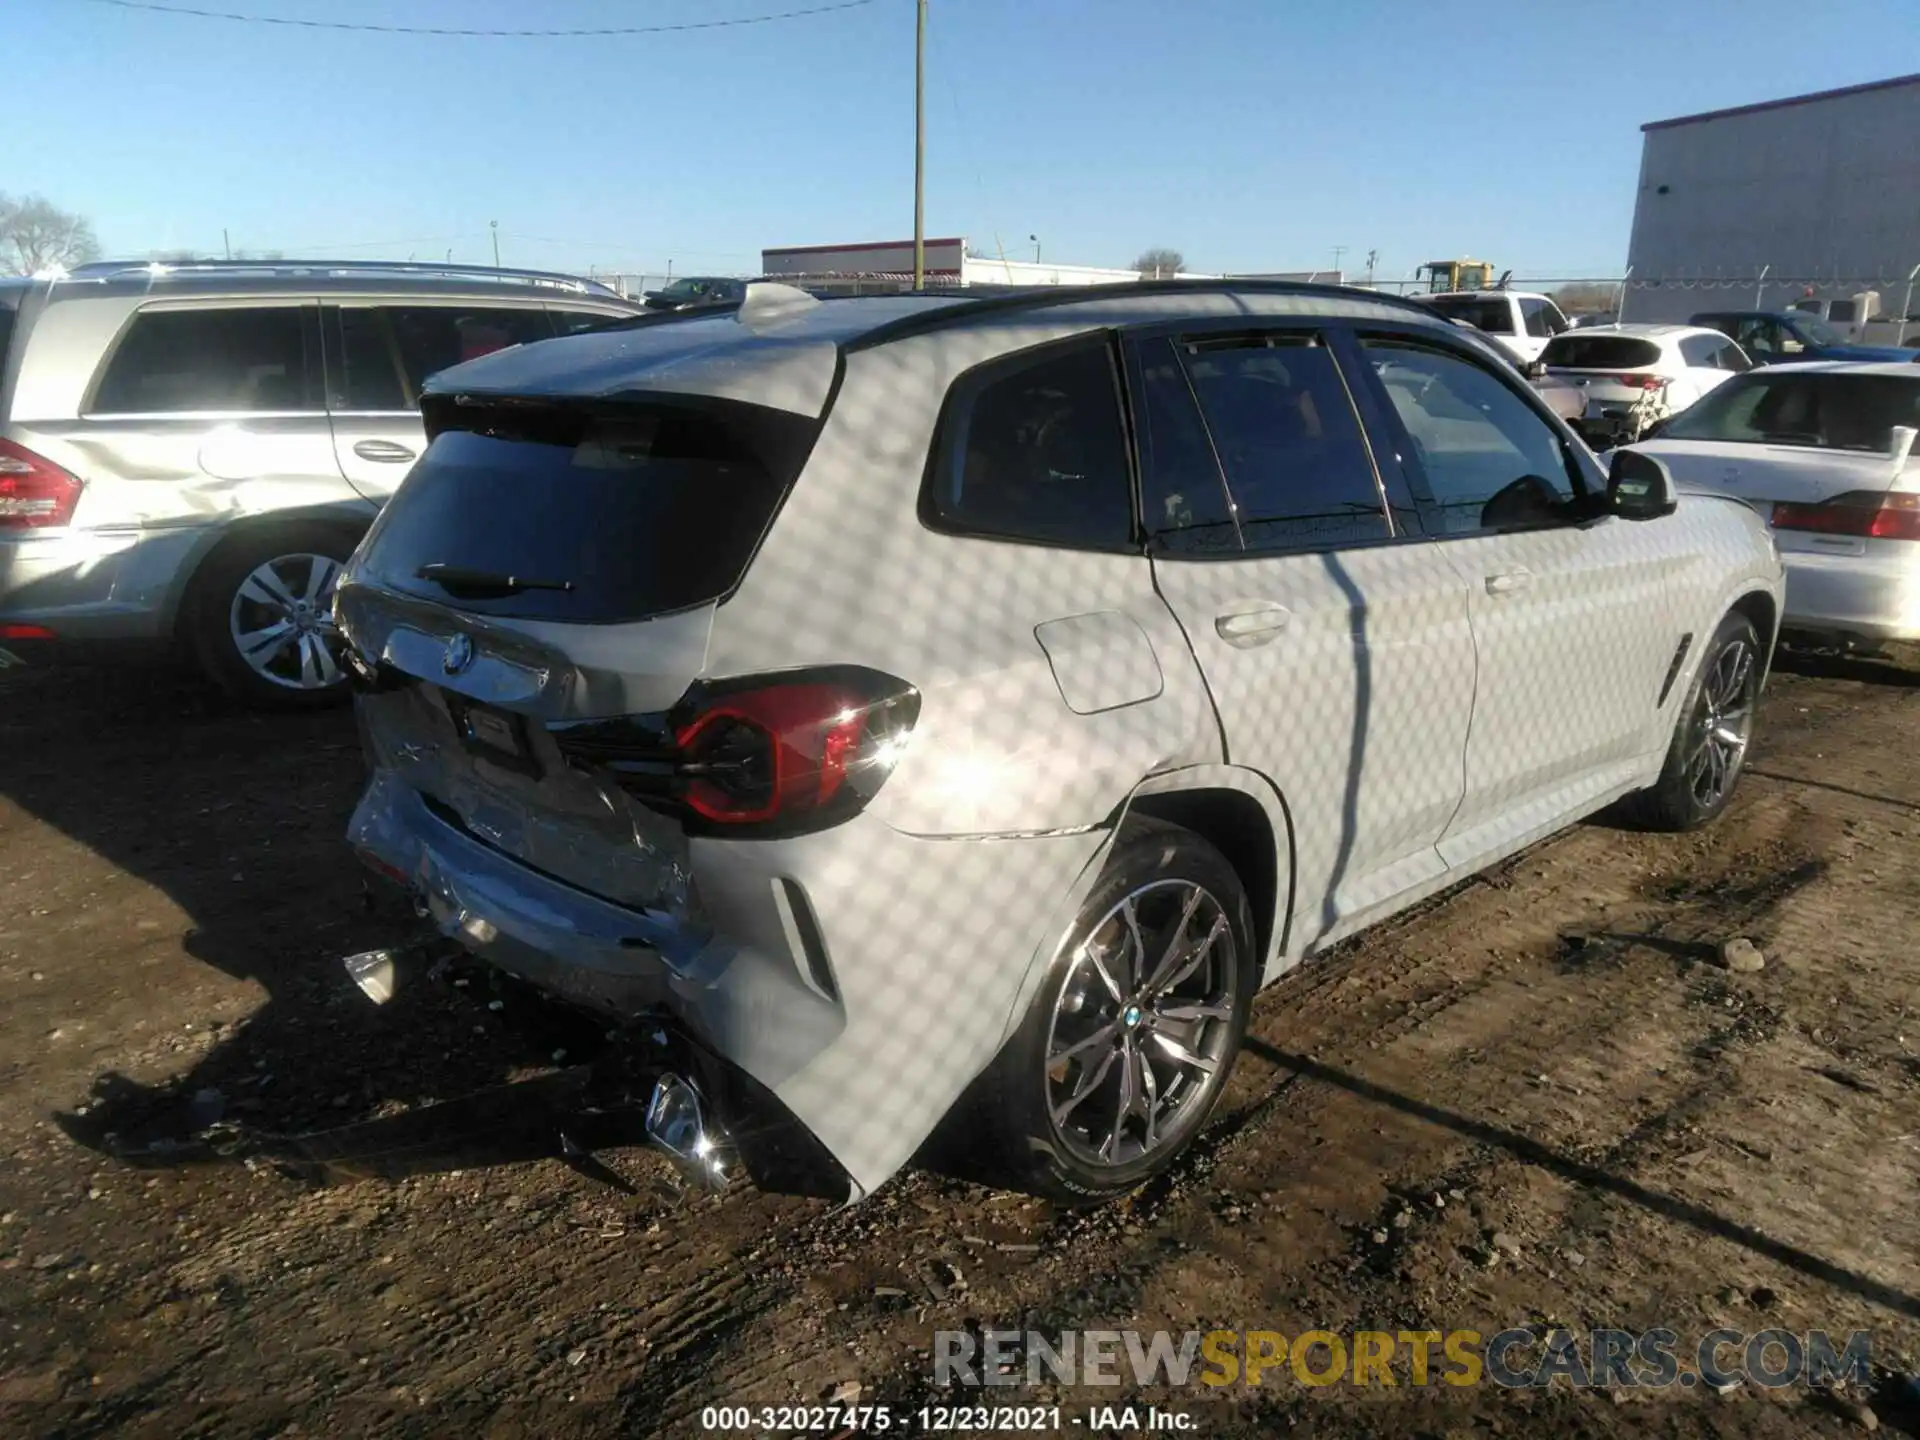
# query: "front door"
{"type": "Point", "coordinates": [1334, 640]}
{"type": "Point", "coordinates": [1571, 625]}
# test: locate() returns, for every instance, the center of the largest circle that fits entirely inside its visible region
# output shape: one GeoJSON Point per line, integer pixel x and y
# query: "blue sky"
{"type": "Point", "coordinates": [1249, 134]}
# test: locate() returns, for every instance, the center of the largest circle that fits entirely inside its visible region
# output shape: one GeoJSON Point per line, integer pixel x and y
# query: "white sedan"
{"type": "Point", "coordinates": [1824, 452]}
{"type": "Point", "coordinates": [1634, 376]}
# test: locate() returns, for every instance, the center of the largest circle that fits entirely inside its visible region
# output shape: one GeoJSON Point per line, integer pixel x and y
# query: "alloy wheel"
{"type": "Point", "coordinates": [1143, 1025]}
{"type": "Point", "coordinates": [281, 622]}
{"type": "Point", "coordinates": [1723, 724]}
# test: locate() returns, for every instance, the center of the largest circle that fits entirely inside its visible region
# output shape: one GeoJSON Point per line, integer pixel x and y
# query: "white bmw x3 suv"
{"type": "Point", "coordinates": [912, 700]}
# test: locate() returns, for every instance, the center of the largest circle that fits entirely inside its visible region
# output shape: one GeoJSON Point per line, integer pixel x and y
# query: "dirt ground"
{"type": "Point", "coordinates": [1537, 1101]}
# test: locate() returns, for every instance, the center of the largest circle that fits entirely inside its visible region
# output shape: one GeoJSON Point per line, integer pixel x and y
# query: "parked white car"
{"type": "Point", "coordinates": [1824, 451]}
{"type": "Point", "coordinates": [1635, 376]}
{"type": "Point", "coordinates": [909, 697]}
{"type": "Point", "coordinates": [1518, 321]}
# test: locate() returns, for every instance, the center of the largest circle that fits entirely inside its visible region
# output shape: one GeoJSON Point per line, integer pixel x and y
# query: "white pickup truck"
{"type": "Point", "coordinates": [1518, 321]}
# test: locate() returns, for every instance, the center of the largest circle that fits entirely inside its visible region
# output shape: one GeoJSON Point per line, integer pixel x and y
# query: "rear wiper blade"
{"type": "Point", "coordinates": [459, 580]}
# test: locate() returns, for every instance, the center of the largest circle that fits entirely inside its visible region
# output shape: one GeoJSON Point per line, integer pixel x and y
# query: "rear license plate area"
{"type": "Point", "coordinates": [497, 736]}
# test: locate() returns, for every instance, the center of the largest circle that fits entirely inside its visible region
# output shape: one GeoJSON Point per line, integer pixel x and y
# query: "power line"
{"type": "Point", "coordinates": [150, 5]}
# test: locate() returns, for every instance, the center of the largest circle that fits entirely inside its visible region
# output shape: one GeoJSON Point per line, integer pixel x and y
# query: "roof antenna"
{"type": "Point", "coordinates": [768, 301]}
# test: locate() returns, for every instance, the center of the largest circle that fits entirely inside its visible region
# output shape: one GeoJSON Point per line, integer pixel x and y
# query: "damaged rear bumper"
{"type": "Point", "coordinates": [849, 985]}
{"type": "Point", "coordinates": [628, 965]}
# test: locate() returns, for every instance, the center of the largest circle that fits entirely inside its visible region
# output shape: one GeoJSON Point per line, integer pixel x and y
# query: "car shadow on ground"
{"type": "Point", "coordinates": [238, 819]}
{"type": "Point", "coordinates": [1533, 1152]}
{"type": "Point", "coordinates": [1898, 669]}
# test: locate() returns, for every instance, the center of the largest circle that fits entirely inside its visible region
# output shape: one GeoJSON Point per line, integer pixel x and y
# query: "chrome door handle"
{"type": "Point", "coordinates": [383, 452]}
{"type": "Point", "coordinates": [1253, 626]}
{"type": "Point", "coordinates": [1507, 582]}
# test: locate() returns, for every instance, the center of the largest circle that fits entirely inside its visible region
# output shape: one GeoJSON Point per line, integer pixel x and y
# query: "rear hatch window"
{"type": "Point", "coordinates": [1600, 352]}
{"type": "Point", "coordinates": [1494, 316]}
{"type": "Point", "coordinates": [586, 513]}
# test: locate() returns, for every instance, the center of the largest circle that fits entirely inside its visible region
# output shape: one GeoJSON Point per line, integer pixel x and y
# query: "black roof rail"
{"type": "Point", "coordinates": [163, 269]}
{"type": "Point", "coordinates": [1047, 296]}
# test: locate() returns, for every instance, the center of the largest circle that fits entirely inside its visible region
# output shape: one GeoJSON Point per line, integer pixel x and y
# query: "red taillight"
{"type": "Point", "coordinates": [1868, 514]}
{"type": "Point", "coordinates": [1642, 382]}
{"type": "Point", "coordinates": [25, 632]}
{"type": "Point", "coordinates": [34, 492]}
{"type": "Point", "coordinates": [792, 755]}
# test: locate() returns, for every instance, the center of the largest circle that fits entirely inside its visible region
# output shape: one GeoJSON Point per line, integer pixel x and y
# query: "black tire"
{"type": "Point", "coordinates": [215, 605]}
{"type": "Point", "coordinates": [1160, 866]}
{"type": "Point", "coordinates": [1680, 800]}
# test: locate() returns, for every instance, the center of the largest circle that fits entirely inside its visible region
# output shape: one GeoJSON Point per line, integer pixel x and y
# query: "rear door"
{"type": "Point", "coordinates": [1571, 622]}
{"type": "Point", "coordinates": [1334, 640]}
{"type": "Point", "coordinates": [379, 355]}
{"type": "Point", "coordinates": [205, 410]}
{"type": "Point", "coordinates": [1702, 357]}
{"type": "Point", "coordinates": [1536, 322]}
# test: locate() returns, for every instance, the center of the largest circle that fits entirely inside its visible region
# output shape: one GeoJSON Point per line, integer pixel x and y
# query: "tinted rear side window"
{"type": "Point", "coordinates": [1600, 352]}
{"type": "Point", "coordinates": [1183, 499]}
{"type": "Point", "coordinates": [640, 509]}
{"type": "Point", "coordinates": [1032, 448]}
{"type": "Point", "coordinates": [247, 360]}
{"type": "Point", "coordinates": [367, 364]}
{"type": "Point", "coordinates": [1289, 442]}
{"type": "Point", "coordinates": [568, 322]}
{"type": "Point", "coordinates": [433, 338]}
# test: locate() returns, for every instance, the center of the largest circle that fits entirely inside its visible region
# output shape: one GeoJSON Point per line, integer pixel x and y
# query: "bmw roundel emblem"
{"type": "Point", "coordinates": [459, 654]}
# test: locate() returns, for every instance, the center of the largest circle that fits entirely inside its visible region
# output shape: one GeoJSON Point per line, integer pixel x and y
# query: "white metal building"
{"type": "Point", "coordinates": [947, 262]}
{"type": "Point", "coordinates": [1762, 205]}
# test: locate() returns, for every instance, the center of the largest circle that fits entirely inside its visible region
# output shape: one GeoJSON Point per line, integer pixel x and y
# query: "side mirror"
{"type": "Point", "coordinates": [1536, 370]}
{"type": "Point", "coordinates": [1639, 487]}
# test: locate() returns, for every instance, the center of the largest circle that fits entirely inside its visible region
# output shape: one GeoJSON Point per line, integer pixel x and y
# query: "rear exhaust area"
{"type": "Point", "coordinates": [680, 1121]}
{"type": "Point", "coordinates": [378, 973]}
{"type": "Point", "coordinates": [679, 1125]}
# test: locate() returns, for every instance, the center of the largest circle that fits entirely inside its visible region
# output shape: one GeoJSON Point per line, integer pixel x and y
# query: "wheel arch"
{"type": "Point", "coordinates": [1242, 815]}
{"type": "Point", "coordinates": [1761, 608]}
{"type": "Point", "coordinates": [347, 521]}
{"type": "Point", "coordinates": [1236, 810]}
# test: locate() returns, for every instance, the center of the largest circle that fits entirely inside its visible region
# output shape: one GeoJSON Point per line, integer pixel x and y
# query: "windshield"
{"type": "Point", "coordinates": [1809, 331]}
{"type": "Point", "coordinates": [1825, 410]}
{"type": "Point", "coordinates": [1493, 315]}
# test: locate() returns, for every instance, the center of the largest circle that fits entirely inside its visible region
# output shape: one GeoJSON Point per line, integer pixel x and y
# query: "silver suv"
{"type": "Point", "coordinates": [911, 696]}
{"type": "Point", "coordinates": [188, 453]}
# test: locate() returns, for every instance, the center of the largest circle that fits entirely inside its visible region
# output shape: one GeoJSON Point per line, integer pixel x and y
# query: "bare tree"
{"type": "Point", "coordinates": [1160, 262]}
{"type": "Point", "coordinates": [36, 235]}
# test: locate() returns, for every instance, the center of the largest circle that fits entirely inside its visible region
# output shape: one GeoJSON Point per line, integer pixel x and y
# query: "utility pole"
{"type": "Point", "coordinates": [1373, 259]}
{"type": "Point", "coordinates": [920, 146]}
{"type": "Point", "coordinates": [1338, 251]}
{"type": "Point", "coordinates": [494, 225]}
{"type": "Point", "coordinates": [226, 241]}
